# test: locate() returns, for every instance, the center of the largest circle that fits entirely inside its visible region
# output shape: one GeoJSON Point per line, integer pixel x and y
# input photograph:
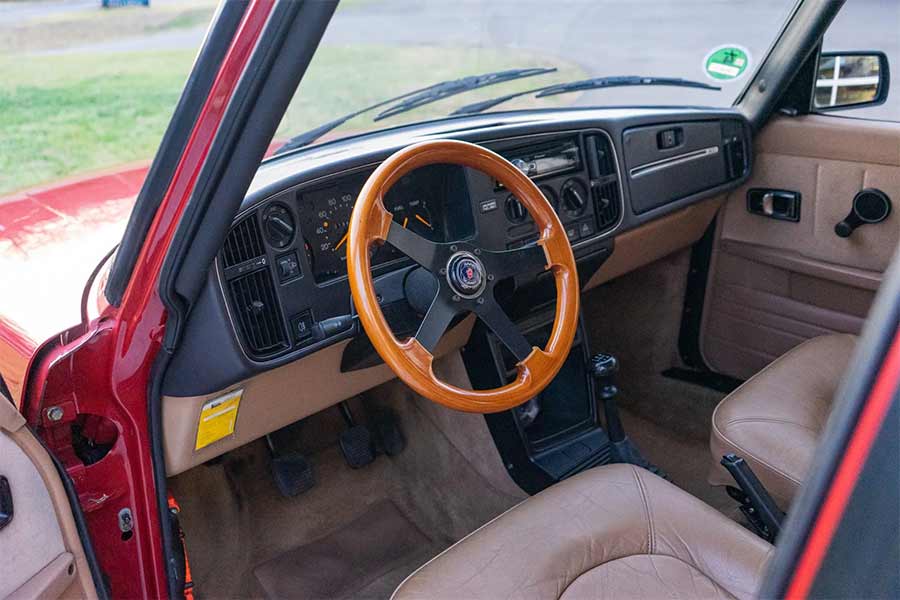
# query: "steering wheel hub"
{"type": "Point", "coordinates": [466, 275]}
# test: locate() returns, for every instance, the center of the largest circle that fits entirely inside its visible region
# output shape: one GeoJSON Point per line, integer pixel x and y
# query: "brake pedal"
{"type": "Point", "coordinates": [357, 444]}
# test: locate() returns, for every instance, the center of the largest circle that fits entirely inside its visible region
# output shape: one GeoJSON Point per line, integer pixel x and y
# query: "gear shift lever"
{"type": "Point", "coordinates": [604, 368]}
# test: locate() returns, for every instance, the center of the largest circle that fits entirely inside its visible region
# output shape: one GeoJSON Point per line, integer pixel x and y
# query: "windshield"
{"type": "Point", "coordinates": [376, 50]}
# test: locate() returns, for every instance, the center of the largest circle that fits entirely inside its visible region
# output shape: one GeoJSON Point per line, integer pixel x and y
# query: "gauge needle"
{"type": "Point", "coordinates": [405, 221]}
{"type": "Point", "coordinates": [422, 220]}
{"type": "Point", "coordinates": [341, 243]}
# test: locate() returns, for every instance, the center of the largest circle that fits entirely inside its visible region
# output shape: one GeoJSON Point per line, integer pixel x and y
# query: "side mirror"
{"type": "Point", "coordinates": [851, 79]}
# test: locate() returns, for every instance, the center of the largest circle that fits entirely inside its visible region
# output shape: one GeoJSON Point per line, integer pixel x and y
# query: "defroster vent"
{"type": "Point", "coordinates": [243, 243]}
{"type": "Point", "coordinates": [258, 313]}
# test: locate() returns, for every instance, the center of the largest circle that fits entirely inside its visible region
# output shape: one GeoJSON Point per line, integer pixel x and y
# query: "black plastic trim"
{"type": "Point", "coordinates": [694, 299]}
{"type": "Point", "coordinates": [196, 90]}
{"type": "Point", "coordinates": [799, 38]}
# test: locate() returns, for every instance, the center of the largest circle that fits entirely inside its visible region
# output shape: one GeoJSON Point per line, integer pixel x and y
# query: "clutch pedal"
{"type": "Point", "coordinates": [292, 471]}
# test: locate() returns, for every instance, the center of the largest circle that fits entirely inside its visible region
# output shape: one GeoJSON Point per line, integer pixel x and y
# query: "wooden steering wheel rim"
{"type": "Point", "coordinates": [409, 359]}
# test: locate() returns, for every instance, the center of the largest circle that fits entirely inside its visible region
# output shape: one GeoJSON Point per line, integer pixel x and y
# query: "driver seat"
{"type": "Point", "coordinates": [616, 531]}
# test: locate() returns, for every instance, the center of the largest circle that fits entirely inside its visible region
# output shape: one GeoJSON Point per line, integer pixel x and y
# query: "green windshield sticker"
{"type": "Point", "coordinates": [726, 62]}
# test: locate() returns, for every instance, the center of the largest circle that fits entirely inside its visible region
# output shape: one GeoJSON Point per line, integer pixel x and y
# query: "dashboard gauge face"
{"type": "Point", "coordinates": [417, 202]}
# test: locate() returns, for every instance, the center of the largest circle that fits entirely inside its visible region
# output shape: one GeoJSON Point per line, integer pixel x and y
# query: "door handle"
{"type": "Point", "coordinates": [6, 502]}
{"type": "Point", "coordinates": [783, 205]}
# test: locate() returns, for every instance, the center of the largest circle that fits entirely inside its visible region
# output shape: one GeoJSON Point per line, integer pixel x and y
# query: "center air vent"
{"type": "Point", "coordinates": [243, 243]}
{"type": "Point", "coordinates": [258, 313]}
{"type": "Point", "coordinates": [604, 180]}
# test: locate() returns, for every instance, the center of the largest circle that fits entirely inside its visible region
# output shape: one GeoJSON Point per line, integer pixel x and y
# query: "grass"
{"type": "Point", "coordinates": [66, 114]}
{"type": "Point", "coordinates": [69, 114]}
{"type": "Point", "coordinates": [69, 29]}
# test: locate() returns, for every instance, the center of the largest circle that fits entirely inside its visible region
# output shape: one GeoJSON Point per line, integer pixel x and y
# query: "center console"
{"type": "Point", "coordinates": [554, 435]}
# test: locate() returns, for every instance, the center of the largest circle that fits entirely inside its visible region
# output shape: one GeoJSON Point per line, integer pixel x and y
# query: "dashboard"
{"type": "Point", "coordinates": [281, 272]}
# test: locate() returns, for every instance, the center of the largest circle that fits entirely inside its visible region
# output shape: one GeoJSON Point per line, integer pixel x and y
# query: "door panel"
{"type": "Point", "coordinates": [775, 283]}
{"type": "Point", "coordinates": [42, 554]}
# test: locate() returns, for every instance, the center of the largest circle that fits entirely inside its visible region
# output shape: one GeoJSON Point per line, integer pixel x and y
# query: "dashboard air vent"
{"type": "Point", "coordinates": [604, 180]}
{"type": "Point", "coordinates": [606, 197]}
{"type": "Point", "coordinates": [243, 243]}
{"type": "Point", "coordinates": [735, 157]}
{"type": "Point", "coordinates": [258, 312]}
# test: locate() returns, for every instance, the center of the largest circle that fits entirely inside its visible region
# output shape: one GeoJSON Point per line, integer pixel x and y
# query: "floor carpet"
{"type": "Point", "coordinates": [367, 558]}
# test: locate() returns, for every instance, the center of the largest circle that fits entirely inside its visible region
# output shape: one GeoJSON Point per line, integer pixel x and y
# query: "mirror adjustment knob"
{"type": "Point", "coordinates": [870, 206]}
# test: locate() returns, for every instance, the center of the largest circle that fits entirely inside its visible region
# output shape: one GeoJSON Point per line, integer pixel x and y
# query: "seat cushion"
{"type": "Point", "coordinates": [774, 420]}
{"type": "Point", "coordinates": [615, 531]}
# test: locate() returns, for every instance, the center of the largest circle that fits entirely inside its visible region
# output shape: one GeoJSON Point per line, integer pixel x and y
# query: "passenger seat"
{"type": "Point", "coordinates": [774, 419]}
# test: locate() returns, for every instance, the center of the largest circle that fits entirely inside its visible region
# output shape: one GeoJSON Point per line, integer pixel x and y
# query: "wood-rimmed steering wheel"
{"type": "Point", "coordinates": [466, 276]}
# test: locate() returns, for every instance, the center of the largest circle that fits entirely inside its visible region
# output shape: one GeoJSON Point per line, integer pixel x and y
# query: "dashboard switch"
{"type": "Point", "coordinates": [488, 206]}
{"type": "Point", "coordinates": [585, 229]}
{"type": "Point", "coordinates": [288, 267]}
{"type": "Point", "coordinates": [302, 326]}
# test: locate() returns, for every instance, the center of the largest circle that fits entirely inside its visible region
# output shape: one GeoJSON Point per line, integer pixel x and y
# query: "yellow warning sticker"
{"type": "Point", "coordinates": [217, 419]}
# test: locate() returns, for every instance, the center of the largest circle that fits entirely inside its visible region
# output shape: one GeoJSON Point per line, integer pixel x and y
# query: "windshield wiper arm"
{"type": "Point", "coordinates": [584, 85]}
{"type": "Point", "coordinates": [458, 86]}
{"type": "Point", "coordinates": [414, 99]}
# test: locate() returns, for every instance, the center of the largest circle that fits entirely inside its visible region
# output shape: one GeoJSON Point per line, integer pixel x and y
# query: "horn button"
{"type": "Point", "coordinates": [466, 275]}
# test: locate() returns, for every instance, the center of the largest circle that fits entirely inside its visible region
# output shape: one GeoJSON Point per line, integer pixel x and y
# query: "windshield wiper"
{"type": "Point", "coordinates": [583, 85]}
{"type": "Point", "coordinates": [414, 99]}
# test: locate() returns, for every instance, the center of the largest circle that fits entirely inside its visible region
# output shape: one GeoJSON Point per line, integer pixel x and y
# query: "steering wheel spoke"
{"type": "Point", "coordinates": [436, 321]}
{"type": "Point", "coordinates": [413, 245]}
{"type": "Point", "coordinates": [521, 261]}
{"type": "Point", "coordinates": [504, 328]}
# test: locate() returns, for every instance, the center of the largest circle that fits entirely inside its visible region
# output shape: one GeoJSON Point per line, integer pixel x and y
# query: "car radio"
{"type": "Point", "coordinates": [559, 157]}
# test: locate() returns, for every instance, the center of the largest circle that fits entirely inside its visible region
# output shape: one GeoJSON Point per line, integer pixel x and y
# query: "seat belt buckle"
{"type": "Point", "coordinates": [756, 503]}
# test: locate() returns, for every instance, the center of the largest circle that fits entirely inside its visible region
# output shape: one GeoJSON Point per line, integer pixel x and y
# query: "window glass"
{"type": "Point", "coordinates": [86, 88]}
{"type": "Point", "coordinates": [376, 49]}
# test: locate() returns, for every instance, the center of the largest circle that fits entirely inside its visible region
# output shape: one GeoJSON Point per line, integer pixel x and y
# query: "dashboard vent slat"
{"type": "Point", "coordinates": [258, 312]}
{"type": "Point", "coordinates": [243, 243]}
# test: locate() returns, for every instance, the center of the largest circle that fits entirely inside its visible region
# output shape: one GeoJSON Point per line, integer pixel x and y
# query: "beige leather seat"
{"type": "Point", "coordinates": [611, 532]}
{"type": "Point", "coordinates": [775, 418]}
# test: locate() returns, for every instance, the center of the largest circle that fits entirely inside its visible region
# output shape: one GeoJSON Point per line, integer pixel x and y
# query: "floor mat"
{"type": "Point", "coordinates": [369, 557]}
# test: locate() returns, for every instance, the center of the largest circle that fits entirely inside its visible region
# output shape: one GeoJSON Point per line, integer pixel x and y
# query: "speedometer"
{"type": "Point", "coordinates": [417, 202]}
{"type": "Point", "coordinates": [333, 222]}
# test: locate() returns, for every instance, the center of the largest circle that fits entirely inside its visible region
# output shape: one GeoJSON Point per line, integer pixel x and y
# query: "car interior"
{"type": "Point", "coordinates": [724, 273]}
